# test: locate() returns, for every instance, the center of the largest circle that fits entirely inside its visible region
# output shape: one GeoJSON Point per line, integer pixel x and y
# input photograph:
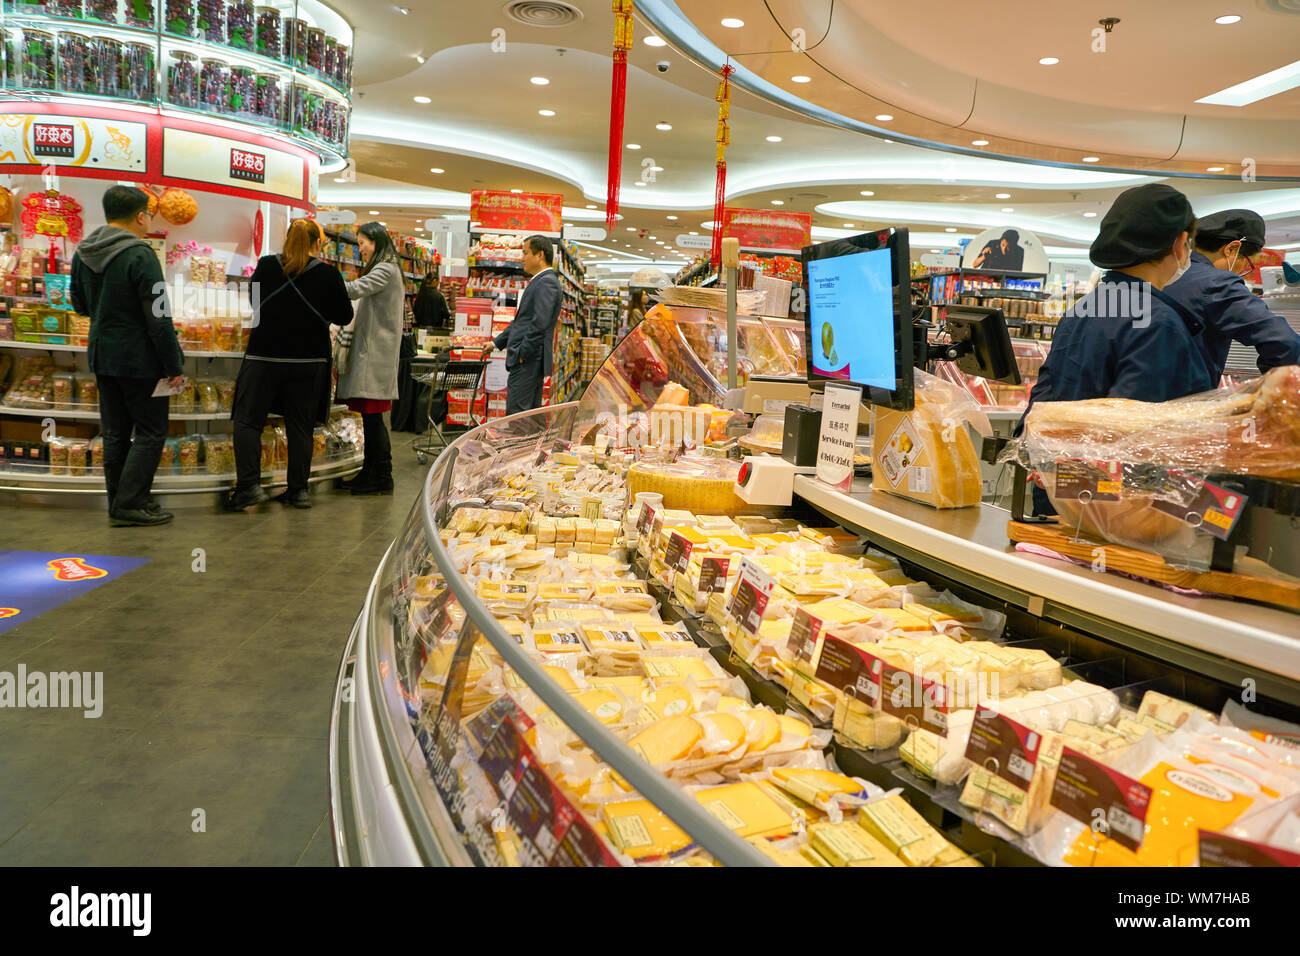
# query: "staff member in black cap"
{"type": "Point", "coordinates": [1127, 338]}
{"type": "Point", "coordinates": [1213, 291]}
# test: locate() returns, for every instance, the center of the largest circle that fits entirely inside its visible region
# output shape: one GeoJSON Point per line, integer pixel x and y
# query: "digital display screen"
{"type": "Point", "coordinates": [851, 318]}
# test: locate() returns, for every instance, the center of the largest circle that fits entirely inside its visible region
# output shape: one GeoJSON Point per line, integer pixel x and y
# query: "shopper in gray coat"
{"type": "Point", "coordinates": [369, 384]}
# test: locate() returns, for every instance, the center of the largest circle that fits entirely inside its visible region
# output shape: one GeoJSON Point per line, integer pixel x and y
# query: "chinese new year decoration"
{"type": "Point", "coordinates": [177, 206]}
{"type": "Point", "coordinates": [723, 140]}
{"type": "Point", "coordinates": [617, 105]}
{"type": "Point", "coordinates": [6, 205]}
{"type": "Point", "coordinates": [49, 213]}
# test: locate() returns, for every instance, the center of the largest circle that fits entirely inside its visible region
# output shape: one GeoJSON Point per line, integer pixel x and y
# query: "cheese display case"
{"type": "Point", "coordinates": [579, 652]}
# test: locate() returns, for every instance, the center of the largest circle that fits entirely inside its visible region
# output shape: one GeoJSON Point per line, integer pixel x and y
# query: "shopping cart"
{"type": "Point", "coordinates": [443, 374]}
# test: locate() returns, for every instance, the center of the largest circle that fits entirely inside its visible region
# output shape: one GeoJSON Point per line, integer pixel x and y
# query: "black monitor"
{"type": "Point", "coordinates": [979, 343]}
{"type": "Point", "coordinates": [858, 323]}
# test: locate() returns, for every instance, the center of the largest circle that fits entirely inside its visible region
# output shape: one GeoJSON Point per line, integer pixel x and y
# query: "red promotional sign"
{"type": "Point", "coordinates": [516, 212]}
{"type": "Point", "coordinates": [768, 230]}
{"type": "Point", "coordinates": [247, 165]}
{"type": "Point", "coordinates": [74, 569]}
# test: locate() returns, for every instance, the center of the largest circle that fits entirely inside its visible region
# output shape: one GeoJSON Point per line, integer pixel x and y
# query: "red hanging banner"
{"type": "Point", "coordinates": [722, 141]}
{"type": "Point", "coordinates": [617, 106]}
{"type": "Point", "coordinates": [516, 212]}
{"type": "Point", "coordinates": [768, 230]}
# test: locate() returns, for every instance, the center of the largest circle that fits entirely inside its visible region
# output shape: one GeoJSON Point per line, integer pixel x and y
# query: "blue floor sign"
{"type": "Point", "coordinates": [33, 582]}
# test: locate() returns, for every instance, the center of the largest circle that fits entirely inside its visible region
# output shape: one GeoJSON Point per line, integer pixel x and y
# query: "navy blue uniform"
{"type": "Point", "coordinates": [1124, 339]}
{"type": "Point", "coordinates": [528, 341]}
{"type": "Point", "coordinates": [1229, 311]}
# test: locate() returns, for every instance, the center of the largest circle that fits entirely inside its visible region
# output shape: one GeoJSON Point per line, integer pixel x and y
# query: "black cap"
{"type": "Point", "coordinates": [1011, 236]}
{"type": "Point", "coordinates": [1140, 225]}
{"type": "Point", "coordinates": [1231, 225]}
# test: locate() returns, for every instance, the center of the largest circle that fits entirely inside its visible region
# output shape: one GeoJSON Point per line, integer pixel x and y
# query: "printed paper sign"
{"type": "Point", "coordinates": [835, 447]}
{"type": "Point", "coordinates": [1205, 505]}
{"type": "Point", "coordinates": [1012, 746]}
{"type": "Point", "coordinates": [1084, 479]}
{"type": "Point", "coordinates": [1106, 800]}
{"type": "Point", "coordinates": [1219, 849]}
{"type": "Point", "coordinates": [749, 599]}
{"type": "Point", "coordinates": [713, 575]}
{"type": "Point", "coordinates": [678, 553]}
{"type": "Point", "coordinates": [844, 665]}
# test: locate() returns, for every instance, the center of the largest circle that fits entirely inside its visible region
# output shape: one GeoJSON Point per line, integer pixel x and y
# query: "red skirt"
{"type": "Point", "coordinates": [369, 406]}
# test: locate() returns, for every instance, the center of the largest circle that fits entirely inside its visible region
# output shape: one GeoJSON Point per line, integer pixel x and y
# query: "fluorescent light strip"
{"type": "Point", "coordinates": [1261, 87]}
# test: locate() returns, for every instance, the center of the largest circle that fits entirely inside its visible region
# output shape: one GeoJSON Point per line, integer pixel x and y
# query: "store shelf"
{"type": "Point", "coordinates": [42, 347]}
{"type": "Point", "coordinates": [92, 415]}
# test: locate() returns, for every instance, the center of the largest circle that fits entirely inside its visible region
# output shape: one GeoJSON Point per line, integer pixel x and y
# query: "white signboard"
{"type": "Point", "coordinates": [336, 217]}
{"type": "Point", "coordinates": [584, 233]}
{"type": "Point", "coordinates": [28, 139]}
{"type": "Point", "coordinates": [693, 242]}
{"type": "Point", "coordinates": [940, 261]}
{"type": "Point", "coordinates": [837, 444]}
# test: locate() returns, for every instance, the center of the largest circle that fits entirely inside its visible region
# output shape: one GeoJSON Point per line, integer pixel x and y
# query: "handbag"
{"type": "Point", "coordinates": [343, 350]}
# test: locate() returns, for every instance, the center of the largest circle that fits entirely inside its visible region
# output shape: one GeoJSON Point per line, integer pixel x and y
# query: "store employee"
{"type": "Point", "coordinates": [1215, 292]}
{"type": "Point", "coordinates": [1127, 338]}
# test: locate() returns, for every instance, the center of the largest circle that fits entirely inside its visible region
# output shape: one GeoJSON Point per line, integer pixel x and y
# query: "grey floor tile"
{"type": "Point", "coordinates": [320, 851]}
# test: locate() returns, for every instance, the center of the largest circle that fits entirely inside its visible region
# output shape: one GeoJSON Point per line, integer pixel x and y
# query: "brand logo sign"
{"type": "Point", "coordinates": [247, 166]}
{"type": "Point", "coordinates": [52, 139]}
{"type": "Point", "coordinates": [8, 612]}
{"type": "Point", "coordinates": [75, 569]}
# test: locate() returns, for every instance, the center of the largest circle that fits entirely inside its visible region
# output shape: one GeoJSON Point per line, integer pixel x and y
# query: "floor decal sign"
{"type": "Point", "coordinates": [33, 582]}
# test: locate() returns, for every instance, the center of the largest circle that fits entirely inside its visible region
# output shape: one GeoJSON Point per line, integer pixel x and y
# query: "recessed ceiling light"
{"type": "Point", "coordinates": [801, 79]}
{"type": "Point", "coordinates": [538, 80]}
{"type": "Point", "coordinates": [934, 250]}
{"type": "Point", "coordinates": [419, 229]}
{"type": "Point", "coordinates": [403, 11]}
{"type": "Point", "coordinates": [590, 206]}
{"type": "Point", "coordinates": [1223, 21]}
{"type": "Point", "coordinates": [1089, 215]}
{"type": "Point", "coordinates": [1002, 195]}
{"type": "Point", "coordinates": [339, 179]}
{"type": "Point", "coordinates": [374, 212]}
{"type": "Point", "coordinates": [546, 112]}
{"type": "Point", "coordinates": [778, 202]}
{"type": "Point", "coordinates": [633, 145]}
{"type": "Point", "coordinates": [516, 190]}
{"type": "Point", "coordinates": [631, 228]}
{"type": "Point", "coordinates": [418, 58]}
{"type": "Point", "coordinates": [652, 237]}
{"type": "Point", "coordinates": [1214, 169]}
{"type": "Point", "coordinates": [848, 225]}
{"type": "Point", "coordinates": [949, 228]}
{"type": "Point", "coordinates": [659, 243]}
{"type": "Point", "coordinates": [774, 139]}
{"type": "Point", "coordinates": [1049, 61]}
{"type": "Point", "coordinates": [639, 183]}
{"type": "Point", "coordinates": [437, 170]}
{"type": "Point", "coordinates": [979, 142]}
{"type": "Point", "coordinates": [653, 40]}
{"type": "Point", "coordinates": [663, 127]}
{"type": "Point", "coordinates": [422, 99]}
{"type": "Point", "coordinates": [866, 192]}
{"type": "Point", "coordinates": [732, 23]}
{"type": "Point", "coordinates": [1092, 159]}
{"type": "Point", "coordinates": [884, 117]}
{"type": "Point", "coordinates": [382, 223]}
{"type": "Point", "coordinates": [1007, 209]}
{"type": "Point", "coordinates": [672, 218]}
{"type": "Point", "coordinates": [692, 233]}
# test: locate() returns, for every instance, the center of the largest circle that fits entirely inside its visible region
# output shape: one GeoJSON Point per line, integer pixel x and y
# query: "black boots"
{"type": "Point", "coordinates": [238, 499]}
{"type": "Point", "coordinates": [299, 498]}
{"type": "Point", "coordinates": [378, 482]}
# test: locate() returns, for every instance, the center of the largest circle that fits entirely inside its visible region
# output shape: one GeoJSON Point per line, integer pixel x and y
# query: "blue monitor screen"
{"type": "Point", "coordinates": [851, 318]}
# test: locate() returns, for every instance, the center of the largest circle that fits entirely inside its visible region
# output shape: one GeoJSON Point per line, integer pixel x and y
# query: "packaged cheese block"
{"type": "Point", "coordinates": [894, 577]}
{"type": "Point", "coordinates": [605, 532]}
{"type": "Point", "coordinates": [817, 697]}
{"type": "Point", "coordinates": [1167, 713]}
{"type": "Point", "coordinates": [666, 739]}
{"type": "Point", "coordinates": [641, 830]}
{"type": "Point", "coordinates": [840, 611]}
{"type": "Point", "coordinates": [905, 833]}
{"type": "Point", "coordinates": [936, 612]}
{"type": "Point", "coordinates": [664, 635]}
{"type": "Point", "coordinates": [726, 542]}
{"type": "Point", "coordinates": [545, 531]}
{"type": "Point", "coordinates": [623, 595]}
{"type": "Point", "coordinates": [814, 586]}
{"type": "Point", "coordinates": [1038, 669]}
{"type": "Point", "coordinates": [747, 809]}
{"type": "Point", "coordinates": [605, 705]}
{"type": "Point", "coordinates": [671, 701]}
{"type": "Point", "coordinates": [818, 787]}
{"type": "Point", "coordinates": [1001, 664]}
{"type": "Point", "coordinates": [847, 844]}
{"type": "Point", "coordinates": [511, 595]}
{"type": "Point", "coordinates": [612, 637]}
{"type": "Point", "coordinates": [564, 612]}
{"type": "Point", "coordinates": [833, 539]}
{"type": "Point", "coordinates": [558, 639]}
{"type": "Point", "coordinates": [1089, 739]}
{"type": "Point", "coordinates": [864, 727]}
{"type": "Point", "coordinates": [562, 591]}
{"type": "Point", "coordinates": [722, 733]}
{"type": "Point", "coordinates": [942, 759]}
{"type": "Point", "coordinates": [781, 852]}
{"type": "Point", "coordinates": [676, 669]}
{"type": "Point", "coordinates": [899, 620]}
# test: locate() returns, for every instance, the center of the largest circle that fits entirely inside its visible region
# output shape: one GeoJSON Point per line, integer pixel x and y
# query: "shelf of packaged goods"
{"type": "Point", "coordinates": [979, 273]}
{"type": "Point", "coordinates": [92, 414]}
{"type": "Point", "coordinates": [43, 347]}
{"type": "Point", "coordinates": [1227, 640]}
{"type": "Point", "coordinates": [503, 264]}
{"type": "Point", "coordinates": [31, 479]}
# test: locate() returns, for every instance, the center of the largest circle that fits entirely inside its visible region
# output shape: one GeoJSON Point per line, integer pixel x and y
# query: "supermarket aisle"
{"type": "Point", "coordinates": [217, 685]}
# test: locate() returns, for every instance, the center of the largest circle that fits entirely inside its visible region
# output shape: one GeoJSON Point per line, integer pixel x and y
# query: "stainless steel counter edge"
{"type": "Point", "coordinates": [1250, 634]}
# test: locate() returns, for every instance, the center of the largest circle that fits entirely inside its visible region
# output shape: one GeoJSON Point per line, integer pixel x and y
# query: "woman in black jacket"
{"type": "Point", "coordinates": [286, 367]}
{"type": "Point", "coordinates": [430, 305]}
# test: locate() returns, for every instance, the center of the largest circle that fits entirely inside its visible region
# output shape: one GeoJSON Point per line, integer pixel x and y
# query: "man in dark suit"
{"type": "Point", "coordinates": [528, 339]}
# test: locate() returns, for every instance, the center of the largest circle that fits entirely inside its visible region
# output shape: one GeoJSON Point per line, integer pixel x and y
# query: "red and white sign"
{"type": "Point", "coordinates": [74, 569]}
{"type": "Point", "coordinates": [503, 211]}
{"type": "Point", "coordinates": [768, 231]}
{"type": "Point", "coordinates": [93, 143]}
{"type": "Point", "coordinates": [247, 166]}
{"type": "Point", "coordinates": [53, 139]}
{"type": "Point", "coordinates": [203, 158]}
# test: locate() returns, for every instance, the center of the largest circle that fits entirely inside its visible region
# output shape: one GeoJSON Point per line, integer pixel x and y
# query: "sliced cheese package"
{"type": "Point", "coordinates": [664, 635]}
{"type": "Point", "coordinates": [861, 725]}
{"type": "Point", "coordinates": [847, 844]}
{"type": "Point", "coordinates": [747, 809]}
{"type": "Point", "coordinates": [623, 595]}
{"type": "Point", "coordinates": [905, 833]}
{"type": "Point", "coordinates": [507, 597]}
{"type": "Point", "coordinates": [642, 831]}
{"type": "Point", "coordinates": [942, 759]}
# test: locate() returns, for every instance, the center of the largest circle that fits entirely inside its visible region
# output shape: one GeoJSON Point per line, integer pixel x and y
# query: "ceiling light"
{"type": "Point", "coordinates": [774, 139]}
{"type": "Point", "coordinates": [631, 228]}
{"type": "Point", "coordinates": [546, 112]}
{"type": "Point", "coordinates": [672, 218]}
{"type": "Point", "coordinates": [1227, 19]}
{"type": "Point", "coordinates": [659, 243]}
{"type": "Point", "coordinates": [1092, 159]}
{"type": "Point", "coordinates": [949, 228]}
{"type": "Point", "coordinates": [590, 206]}
{"type": "Point", "coordinates": [418, 58]}
{"type": "Point", "coordinates": [422, 99]}
{"type": "Point", "coordinates": [374, 212]}
{"type": "Point", "coordinates": [653, 40]}
{"type": "Point", "coordinates": [1214, 169]}
{"type": "Point", "coordinates": [1002, 195]}
{"type": "Point", "coordinates": [639, 183]}
{"type": "Point", "coordinates": [339, 179]}
{"type": "Point", "coordinates": [633, 145]}
{"type": "Point", "coordinates": [884, 117]}
{"type": "Point", "coordinates": [934, 250]}
{"type": "Point", "coordinates": [538, 80]}
{"type": "Point", "coordinates": [848, 225]}
{"type": "Point", "coordinates": [692, 233]}
{"type": "Point", "coordinates": [732, 23]}
{"type": "Point", "coordinates": [1049, 61]}
{"type": "Point", "coordinates": [663, 127]}
{"type": "Point", "coordinates": [403, 11]}
{"type": "Point", "coordinates": [979, 142]}
{"type": "Point", "coordinates": [419, 229]}
{"type": "Point", "coordinates": [778, 202]}
{"type": "Point", "coordinates": [516, 190]}
{"type": "Point", "coordinates": [1258, 88]}
{"type": "Point", "coordinates": [651, 237]}
{"type": "Point", "coordinates": [382, 223]}
{"type": "Point", "coordinates": [801, 79]}
{"type": "Point", "coordinates": [866, 192]}
{"type": "Point", "coordinates": [1090, 215]}
{"type": "Point", "coordinates": [1007, 209]}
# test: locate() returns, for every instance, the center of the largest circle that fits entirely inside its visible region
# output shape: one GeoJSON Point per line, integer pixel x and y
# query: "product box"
{"type": "Point", "coordinates": [41, 321]}
{"type": "Point", "coordinates": [927, 461]}
{"type": "Point", "coordinates": [58, 291]}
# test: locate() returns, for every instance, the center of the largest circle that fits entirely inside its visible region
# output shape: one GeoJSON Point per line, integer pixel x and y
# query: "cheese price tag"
{"type": "Point", "coordinates": [1013, 746]}
{"type": "Point", "coordinates": [1088, 479]}
{"type": "Point", "coordinates": [591, 508]}
{"type": "Point", "coordinates": [677, 555]}
{"type": "Point", "coordinates": [750, 596]}
{"type": "Point", "coordinates": [913, 698]}
{"type": "Point", "coordinates": [844, 665]}
{"type": "Point", "coordinates": [804, 629]}
{"type": "Point", "coordinates": [1220, 849]}
{"type": "Point", "coordinates": [836, 443]}
{"type": "Point", "coordinates": [644, 522]}
{"type": "Point", "coordinates": [713, 575]}
{"type": "Point", "coordinates": [1213, 509]}
{"type": "Point", "coordinates": [1106, 800]}
{"type": "Point", "coordinates": [602, 443]}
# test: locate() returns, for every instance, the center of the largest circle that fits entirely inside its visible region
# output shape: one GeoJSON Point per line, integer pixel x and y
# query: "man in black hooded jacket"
{"type": "Point", "coordinates": [118, 282]}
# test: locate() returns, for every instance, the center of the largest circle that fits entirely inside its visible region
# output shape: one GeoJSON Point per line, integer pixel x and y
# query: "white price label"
{"type": "Point", "coordinates": [1021, 767]}
{"type": "Point", "coordinates": [1119, 820]}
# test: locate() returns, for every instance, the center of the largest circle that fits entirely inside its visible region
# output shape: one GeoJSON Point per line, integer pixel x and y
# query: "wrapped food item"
{"type": "Point", "coordinates": [187, 454]}
{"type": "Point", "coordinates": [207, 397]}
{"type": "Point", "coordinates": [78, 456]}
{"type": "Point", "coordinates": [58, 455]}
{"type": "Point", "coordinates": [220, 455]}
{"type": "Point", "coordinates": [170, 455]}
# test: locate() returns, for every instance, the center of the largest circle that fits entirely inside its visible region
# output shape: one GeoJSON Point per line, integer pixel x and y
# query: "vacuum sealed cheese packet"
{"type": "Point", "coordinates": [642, 831]}
{"type": "Point", "coordinates": [905, 833]}
{"type": "Point", "coordinates": [664, 635]}
{"type": "Point", "coordinates": [847, 844]}
{"type": "Point", "coordinates": [623, 595]}
{"type": "Point", "coordinates": [1166, 714]}
{"type": "Point", "coordinates": [507, 597]}
{"type": "Point", "coordinates": [1267, 729]}
{"type": "Point", "coordinates": [942, 759]}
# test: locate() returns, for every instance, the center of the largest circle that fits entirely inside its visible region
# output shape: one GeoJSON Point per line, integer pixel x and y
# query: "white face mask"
{"type": "Point", "coordinates": [1182, 266]}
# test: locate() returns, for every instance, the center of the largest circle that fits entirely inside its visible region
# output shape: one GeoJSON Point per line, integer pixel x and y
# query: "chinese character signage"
{"type": "Point", "coordinates": [767, 230]}
{"type": "Point", "coordinates": [30, 139]}
{"type": "Point", "coordinates": [496, 210]}
{"type": "Point", "coordinates": [247, 165]}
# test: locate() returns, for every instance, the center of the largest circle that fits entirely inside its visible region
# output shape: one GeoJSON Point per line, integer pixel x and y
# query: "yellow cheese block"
{"type": "Point", "coordinates": [898, 619]}
{"type": "Point", "coordinates": [841, 611]}
{"type": "Point", "coordinates": [845, 844]}
{"type": "Point", "coordinates": [678, 669]}
{"type": "Point", "coordinates": [611, 637]}
{"type": "Point", "coordinates": [780, 856]}
{"type": "Point", "coordinates": [557, 639]}
{"type": "Point", "coordinates": [560, 591]}
{"type": "Point", "coordinates": [731, 705]}
{"type": "Point", "coordinates": [939, 613]}
{"type": "Point", "coordinates": [803, 585]}
{"type": "Point", "coordinates": [815, 786]}
{"type": "Point", "coordinates": [511, 592]}
{"type": "Point", "coordinates": [664, 635]}
{"type": "Point", "coordinates": [722, 733]}
{"type": "Point", "coordinates": [745, 808]}
{"type": "Point", "coordinates": [667, 739]}
{"type": "Point", "coordinates": [905, 833]}
{"type": "Point", "coordinates": [828, 561]}
{"type": "Point", "coordinates": [793, 726]}
{"type": "Point", "coordinates": [769, 729]}
{"type": "Point", "coordinates": [640, 829]}
{"type": "Point", "coordinates": [670, 701]}
{"type": "Point", "coordinates": [604, 705]}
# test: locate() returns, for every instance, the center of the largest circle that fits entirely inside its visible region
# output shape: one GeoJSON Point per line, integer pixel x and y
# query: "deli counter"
{"type": "Point", "coordinates": [583, 649]}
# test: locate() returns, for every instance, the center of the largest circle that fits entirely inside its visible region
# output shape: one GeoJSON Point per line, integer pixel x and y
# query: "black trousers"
{"type": "Point", "coordinates": [524, 387]}
{"type": "Point", "coordinates": [378, 461]}
{"type": "Point", "coordinates": [127, 404]}
{"type": "Point", "coordinates": [291, 389]}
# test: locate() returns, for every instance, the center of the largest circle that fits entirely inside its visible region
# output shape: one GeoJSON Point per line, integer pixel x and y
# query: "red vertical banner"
{"type": "Point", "coordinates": [722, 141]}
{"type": "Point", "coordinates": [617, 106]}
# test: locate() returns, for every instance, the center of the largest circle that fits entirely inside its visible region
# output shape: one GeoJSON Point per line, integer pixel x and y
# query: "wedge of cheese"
{"type": "Point", "coordinates": [746, 809]}
{"type": "Point", "coordinates": [846, 844]}
{"type": "Point", "coordinates": [816, 786]}
{"type": "Point", "coordinates": [667, 739]}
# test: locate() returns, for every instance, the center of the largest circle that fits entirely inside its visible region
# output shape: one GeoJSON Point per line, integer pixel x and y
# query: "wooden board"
{"type": "Point", "coordinates": [1153, 567]}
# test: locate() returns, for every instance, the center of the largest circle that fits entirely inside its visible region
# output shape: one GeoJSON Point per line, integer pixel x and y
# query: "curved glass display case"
{"type": "Point", "coordinates": [284, 65]}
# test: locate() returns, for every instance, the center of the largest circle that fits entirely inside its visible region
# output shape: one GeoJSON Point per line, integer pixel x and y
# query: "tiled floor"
{"type": "Point", "coordinates": [217, 684]}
